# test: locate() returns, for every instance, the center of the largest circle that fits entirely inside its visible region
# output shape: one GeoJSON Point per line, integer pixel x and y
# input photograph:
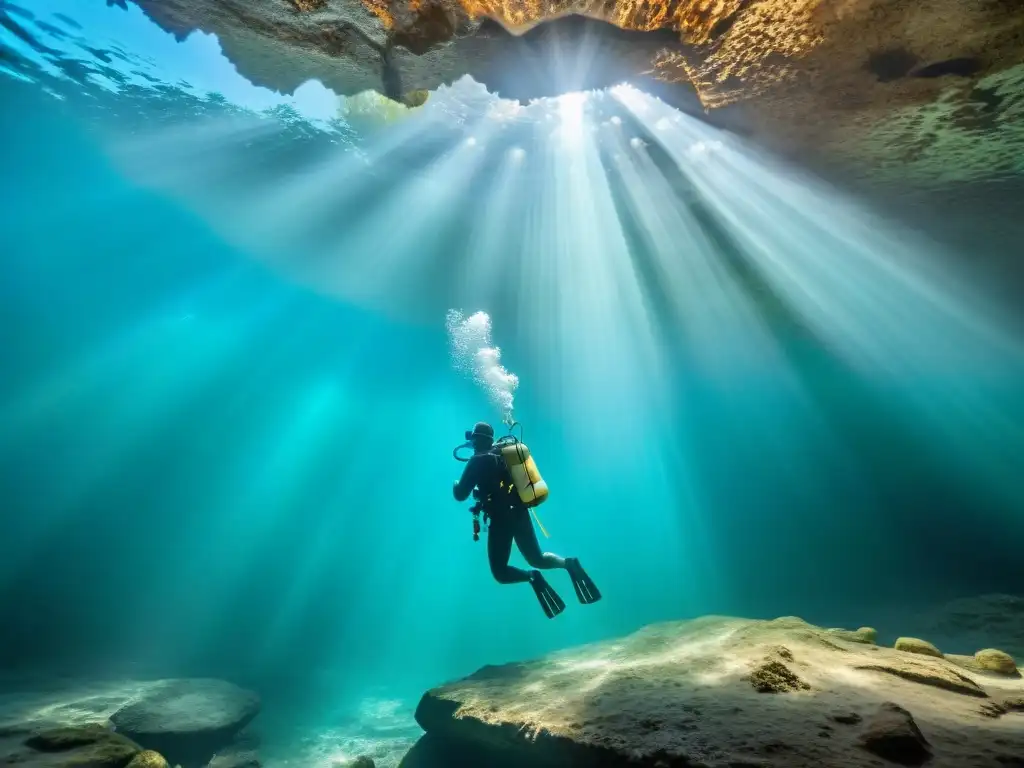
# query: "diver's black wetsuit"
{"type": "Point", "coordinates": [510, 519]}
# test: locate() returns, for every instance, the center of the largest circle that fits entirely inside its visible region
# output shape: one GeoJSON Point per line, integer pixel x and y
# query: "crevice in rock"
{"type": "Point", "coordinates": [390, 75]}
{"type": "Point", "coordinates": [952, 682]}
{"type": "Point", "coordinates": [891, 64]}
{"type": "Point", "coordinates": [960, 67]}
{"type": "Point", "coordinates": [723, 25]}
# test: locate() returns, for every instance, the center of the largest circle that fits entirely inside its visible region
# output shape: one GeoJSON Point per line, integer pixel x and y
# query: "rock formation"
{"type": "Point", "coordinates": [867, 635]}
{"type": "Point", "coordinates": [188, 721]}
{"type": "Point", "coordinates": [916, 645]}
{"type": "Point", "coordinates": [87, 746]}
{"type": "Point", "coordinates": [114, 723]}
{"type": "Point", "coordinates": [148, 759]}
{"type": "Point", "coordinates": [716, 692]}
{"type": "Point", "coordinates": [996, 661]}
{"type": "Point", "coordinates": [932, 91]}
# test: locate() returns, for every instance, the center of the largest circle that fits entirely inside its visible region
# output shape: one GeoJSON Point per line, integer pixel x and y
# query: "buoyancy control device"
{"type": "Point", "coordinates": [522, 469]}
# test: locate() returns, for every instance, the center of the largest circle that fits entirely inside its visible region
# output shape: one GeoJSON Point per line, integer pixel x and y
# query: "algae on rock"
{"type": "Point", "coordinates": [916, 645]}
{"type": "Point", "coordinates": [996, 661]}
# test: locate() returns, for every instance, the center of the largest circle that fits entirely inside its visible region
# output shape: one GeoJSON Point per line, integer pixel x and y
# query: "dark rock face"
{"type": "Point", "coordinates": [90, 746]}
{"type": "Point", "coordinates": [188, 721]}
{"type": "Point", "coordinates": [891, 733]}
{"type": "Point", "coordinates": [63, 739]}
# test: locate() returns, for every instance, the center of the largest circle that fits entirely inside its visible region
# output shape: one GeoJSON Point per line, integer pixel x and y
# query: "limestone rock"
{"type": "Point", "coordinates": [930, 91]}
{"type": "Point", "coordinates": [362, 762]}
{"type": "Point", "coordinates": [915, 645]}
{"type": "Point", "coordinates": [892, 734]}
{"type": "Point", "coordinates": [1013, 703]}
{"type": "Point", "coordinates": [62, 739]}
{"type": "Point", "coordinates": [681, 693]}
{"type": "Point", "coordinates": [91, 746]}
{"type": "Point", "coordinates": [188, 721]}
{"type": "Point", "coordinates": [1000, 708]}
{"type": "Point", "coordinates": [148, 759]}
{"type": "Point", "coordinates": [45, 704]}
{"type": "Point", "coordinates": [867, 635]}
{"type": "Point", "coordinates": [937, 675]}
{"type": "Point", "coordinates": [996, 661]}
{"type": "Point", "coordinates": [242, 758]}
{"type": "Point", "coordinates": [773, 676]}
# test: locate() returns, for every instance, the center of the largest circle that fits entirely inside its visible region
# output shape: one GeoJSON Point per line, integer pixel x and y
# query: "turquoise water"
{"type": "Point", "coordinates": [227, 399]}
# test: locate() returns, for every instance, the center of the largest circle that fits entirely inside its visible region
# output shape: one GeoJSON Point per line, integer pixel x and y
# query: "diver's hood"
{"type": "Point", "coordinates": [481, 429]}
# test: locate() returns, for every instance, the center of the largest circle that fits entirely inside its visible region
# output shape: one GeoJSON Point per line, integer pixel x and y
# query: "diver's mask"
{"type": "Point", "coordinates": [480, 429]}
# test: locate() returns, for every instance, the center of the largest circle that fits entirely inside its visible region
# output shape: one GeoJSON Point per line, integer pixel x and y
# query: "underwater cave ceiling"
{"type": "Point", "coordinates": [929, 91]}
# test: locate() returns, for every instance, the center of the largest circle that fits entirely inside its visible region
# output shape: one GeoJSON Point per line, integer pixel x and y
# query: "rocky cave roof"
{"type": "Point", "coordinates": [931, 91]}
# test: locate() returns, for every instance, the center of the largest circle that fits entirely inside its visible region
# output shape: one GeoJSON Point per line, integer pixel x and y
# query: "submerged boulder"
{"type": "Point", "coordinates": [867, 635]}
{"type": "Point", "coordinates": [148, 759]}
{"type": "Point", "coordinates": [690, 693]}
{"type": "Point", "coordinates": [996, 661]}
{"type": "Point", "coordinates": [236, 758]}
{"type": "Point", "coordinates": [916, 645]}
{"type": "Point", "coordinates": [88, 746]}
{"type": "Point", "coordinates": [892, 734]}
{"type": "Point", "coordinates": [188, 721]}
{"type": "Point", "coordinates": [63, 739]}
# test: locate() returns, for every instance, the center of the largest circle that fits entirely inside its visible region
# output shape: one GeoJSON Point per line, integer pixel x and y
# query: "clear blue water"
{"type": "Point", "coordinates": [227, 400]}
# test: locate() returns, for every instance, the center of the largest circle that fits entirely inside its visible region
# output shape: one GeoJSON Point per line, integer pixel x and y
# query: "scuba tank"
{"type": "Point", "coordinates": [522, 471]}
{"type": "Point", "coordinates": [515, 454]}
{"type": "Point", "coordinates": [530, 486]}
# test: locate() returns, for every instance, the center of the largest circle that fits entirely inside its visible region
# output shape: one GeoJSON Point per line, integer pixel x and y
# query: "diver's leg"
{"type": "Point", "coordinates": [499, 549]}
{"type": "Point", "coordinates": [526, 540]}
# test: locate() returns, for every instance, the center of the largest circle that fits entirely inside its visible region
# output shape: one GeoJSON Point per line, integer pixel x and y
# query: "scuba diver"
{"type": "Point", "coordinates": [491, 475]}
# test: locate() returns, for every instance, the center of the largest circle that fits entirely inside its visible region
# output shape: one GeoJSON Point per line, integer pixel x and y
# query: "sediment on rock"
{"type": "Point", "coordinates": [188, 721]}
{"type": "Point", "coordinates": [688, 693]}
{"type": "Point", "coordinates": [88, 746]}
{"type": "Point", "coordinates": [74, 724]}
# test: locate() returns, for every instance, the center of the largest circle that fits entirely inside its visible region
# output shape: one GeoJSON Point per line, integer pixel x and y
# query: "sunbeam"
{"type": "Point", "coordinates": [907, 322]}
{"type": "Point", "coordinates": [317, 401]}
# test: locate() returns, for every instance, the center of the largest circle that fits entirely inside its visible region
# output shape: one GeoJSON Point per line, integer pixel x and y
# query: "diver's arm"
{"type": "Point", "coordinates": [467, 482]}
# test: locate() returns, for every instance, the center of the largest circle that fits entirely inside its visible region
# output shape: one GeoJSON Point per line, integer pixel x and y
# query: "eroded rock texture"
{"type": "Point", "coordinates": [718, 692]}
{"type": "Point", "coordinates": [930, 90]}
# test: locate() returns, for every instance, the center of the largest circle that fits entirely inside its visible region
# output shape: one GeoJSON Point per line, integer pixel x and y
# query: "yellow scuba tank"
{"type": "Point", "coordinates": [529, 484]}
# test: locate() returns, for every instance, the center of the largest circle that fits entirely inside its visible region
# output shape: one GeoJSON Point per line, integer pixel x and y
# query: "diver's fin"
{"type": "Point", "coordinates": [586, 589]}
{"type": "Point", "coordinates": [548, 598]}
